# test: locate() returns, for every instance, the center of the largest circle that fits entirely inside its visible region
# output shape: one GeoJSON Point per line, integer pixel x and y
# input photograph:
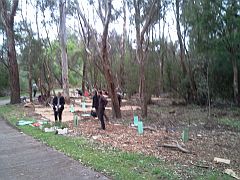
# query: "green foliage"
{"type": "Point", "coordinates": [31, 51]}
{"type": "Point", "coordinates": [4, 80]}
{"type": "Point", "coordinates": [75, 60]}
{"type": "Point", "coordinates": [23, 77]}
{"type": "Point", "coordinates": [200, 174]}
{"type": "Point", "coordinates": [172, 75]}
{"type": "Point", "coordinates": [151, 74]}
{"type": "Point", "coordinates": [132, 74]}
{"type": "Point", "coordinates": [232, 123]}
{"type": "Point", "coordinates": [214, 36]}
{"type": "Point", "coordinates": [222, 72]}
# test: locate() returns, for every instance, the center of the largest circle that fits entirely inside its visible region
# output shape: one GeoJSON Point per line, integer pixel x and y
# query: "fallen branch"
{"type": "Point", "coordinates": [29, 105]}
{"type": "Point", "coordinates": [147, 128]}
{"type": "Point", "coordinates": [176, 145]}
{"type": "Point", "coordinates": [230, 172]}
{"type": "Point", "coordinates": [201, 166]}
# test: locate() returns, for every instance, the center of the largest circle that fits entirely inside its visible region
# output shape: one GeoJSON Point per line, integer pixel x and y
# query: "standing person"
{"type": "Point", "coordinates": [34, 87]}
{"type": "Point", "coordinates": [119, 96]}
{"type": "Point", "coordinates": [58, 106]}
{"type": "Point", "coordinates": [95, 102]}
{"type": "Point", "coordinates": [101, 108]}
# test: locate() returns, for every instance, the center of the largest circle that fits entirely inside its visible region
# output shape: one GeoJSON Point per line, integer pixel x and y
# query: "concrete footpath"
{"type": "Point", "coordinates": [4, 102]}
{"type": "Point", "coordinates": [24, 158]}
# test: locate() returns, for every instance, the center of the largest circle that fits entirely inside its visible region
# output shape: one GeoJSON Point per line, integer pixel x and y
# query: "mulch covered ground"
{"type": "Point", "coordinates": [167, 121]}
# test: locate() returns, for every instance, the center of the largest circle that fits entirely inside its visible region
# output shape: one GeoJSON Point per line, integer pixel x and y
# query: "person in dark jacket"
{"type": "Point", "coordinates": [119, 96]}
{"type": "Point", "coordinates": [58, 107]}
{"type": "Point", "coordinates": [34, 87]}
{"type": "Point", "coordinates": [95, 101]}
{"type": "Point", "coordinates": [101, 108]}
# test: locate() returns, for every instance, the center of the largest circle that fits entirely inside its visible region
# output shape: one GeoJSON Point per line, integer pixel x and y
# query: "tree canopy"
{"type": "Point", "coordinates": [189, 49]}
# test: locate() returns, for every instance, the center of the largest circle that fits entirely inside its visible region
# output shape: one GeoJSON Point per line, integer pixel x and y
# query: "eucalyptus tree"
{"type": "Point", "coordinates": [46, 80]}
{"type": "Point", "coordinates": [104, 11]}
{"type": "Point", "coordinates": [123, 47]}
{"type": "Point", "coordinates": [184, 58]}
{"type": "Point", "coordinates": [214, 33]}
{"type": "Point", "coordinates": [86, 36]}
{"type": "Point", "coordinates": [63, 39]}
{"type": "Point", "coordinates": [25, 27]}
{"type": "Point", "coordinates": [108, 74]}
{"type": "Point", "coordinates": [230, 36]}
{"type": "Point", "coordinates": [144, 18]}
{"type": "Point", "coordinates": [4, 75]}
{"type": "Point", "coordinates": [7, 17]}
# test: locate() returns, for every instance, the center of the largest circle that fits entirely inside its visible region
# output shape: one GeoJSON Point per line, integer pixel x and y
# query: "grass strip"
{"type": "Point", "coordinates": [232, 123]}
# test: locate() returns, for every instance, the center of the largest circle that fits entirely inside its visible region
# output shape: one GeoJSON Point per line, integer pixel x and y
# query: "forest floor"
{"type": "Point", "coordinates": [218, 136]}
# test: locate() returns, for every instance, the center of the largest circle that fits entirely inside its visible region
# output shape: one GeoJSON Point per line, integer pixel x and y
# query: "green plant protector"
{"type": "Point", "coordinates": [71, 108]}
{"type": "Point", "coordinates": [84, 106]}
{"type": "Point", "coordinates": [135, 120]}
{"type": "Point", "coordinates": [75, 120]}
{"type": "Point", "coordinates": [185, 135]}
{"type": "Point", "coordinates": [140, 127]}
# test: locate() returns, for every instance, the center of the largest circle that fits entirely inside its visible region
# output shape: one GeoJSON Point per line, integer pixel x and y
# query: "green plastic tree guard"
{"type": "Point", "coordinates": [140, 127]}
{"type": "Point", "coordinates": [71, 108]}
{"type": "Point", "coordinates": [84, 106]}
{"type": "Point", "coordinates": [185, 135]}
{"type": "Point", "coordinates": [135, 120]}
{"type": "Point", "coordinates": [75, 119]}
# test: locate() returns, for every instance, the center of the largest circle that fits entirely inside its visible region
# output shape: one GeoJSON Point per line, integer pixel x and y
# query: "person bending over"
{"type": "Point", "coordinates": [58, 106]}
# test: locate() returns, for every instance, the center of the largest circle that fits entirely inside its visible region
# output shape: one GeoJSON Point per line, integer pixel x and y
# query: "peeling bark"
{"type": "Point", "coordinates": [63, 39]}
{"type": "Point", "coordinates": [8, 23]}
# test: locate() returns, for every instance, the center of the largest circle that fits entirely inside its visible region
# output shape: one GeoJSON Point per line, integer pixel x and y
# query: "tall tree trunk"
{"type": "Point", "coordinates": [84, 73]}
{"type": "Point", "coordinates": [95, 77]}
{"type": "Point", "coordinates": [141, 57]}
{"type": "Point", "coordinates": [13, 69]}
{"type": "Point", "coordinates": [112, 91]}
{"type": "Point", "coordinates": [30, 69]}
{"type": "Point", "coordinates": [110, 81]}
{"type": "Point", "coordinates": [123, 51]}
{"type": "Point", "coordinates": [143, 92]}
{"type": "Point", "coordinates": [8, 23]}
{"type": "Point", "coordinates": [162, 52]}
{"type": "Point", "coordinates": [106, 65]}
{"type": "Point", "coordinates": [142, 83]}
{"type": "Point", "coordinates": [182, 55]}
{"type": "Point", "coordinates": [105, 68]}
{"type": "Point", "coordinates": [179, 34]}
{"type": "Point", "coordinates": [36, 20]}
{"type": "Point", "coordinates": [235, 79]}
{"type": "Point", "coordinates": [63, 40]}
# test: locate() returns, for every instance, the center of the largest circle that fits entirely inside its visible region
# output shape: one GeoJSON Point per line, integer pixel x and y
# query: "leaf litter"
{"type": "Point", "coordinates": [168, 121]}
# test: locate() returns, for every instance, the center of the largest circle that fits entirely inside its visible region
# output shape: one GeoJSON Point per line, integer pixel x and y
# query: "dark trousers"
{"type": "Point", "coordinates": [58, 114]}
{"type": "Point", "coordinates": [100, 116]}
{"type": "Point", "coordinates": [34, 93]}
{"type": "Point", "coordinates": [96, 108]}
